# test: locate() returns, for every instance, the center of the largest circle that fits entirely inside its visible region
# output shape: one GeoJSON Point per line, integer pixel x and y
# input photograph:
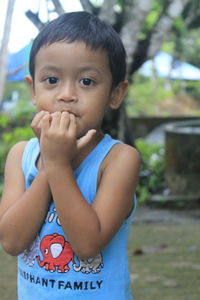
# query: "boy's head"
{"type": "Point", "coordinates": [87, 28]}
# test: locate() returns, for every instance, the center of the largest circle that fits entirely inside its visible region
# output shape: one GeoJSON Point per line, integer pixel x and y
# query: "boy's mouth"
{"type": "Point", "coordinates": [69, 111]}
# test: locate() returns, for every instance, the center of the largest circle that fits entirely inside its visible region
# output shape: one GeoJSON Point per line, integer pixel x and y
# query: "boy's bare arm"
{"type": "Point", "coordinates": [88, 227]}
{"type": "Point", "coordinates": [21, 212]}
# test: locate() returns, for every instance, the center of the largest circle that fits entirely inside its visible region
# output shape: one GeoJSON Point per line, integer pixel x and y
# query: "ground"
{"type": "Point", "coordinates": [164, 257]}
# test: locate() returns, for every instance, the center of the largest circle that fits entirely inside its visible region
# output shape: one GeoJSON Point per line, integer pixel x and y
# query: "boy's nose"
{"type": "Point", "coordinates": [67, 93]}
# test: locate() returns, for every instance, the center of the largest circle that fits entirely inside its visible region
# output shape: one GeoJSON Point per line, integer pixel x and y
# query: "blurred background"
{"type": "Point", "coordinates": [160, 117]}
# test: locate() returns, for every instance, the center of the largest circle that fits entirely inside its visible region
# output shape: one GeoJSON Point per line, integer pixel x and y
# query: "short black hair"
{"type": "Point", "coordinates": [85, 27]}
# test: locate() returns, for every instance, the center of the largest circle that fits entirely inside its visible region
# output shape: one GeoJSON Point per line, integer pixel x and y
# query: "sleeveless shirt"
{"type": "Point", "coordinates": [49, 268]}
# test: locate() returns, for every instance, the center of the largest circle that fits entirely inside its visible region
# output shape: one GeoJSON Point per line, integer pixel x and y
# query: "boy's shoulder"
{"type": "Point", "coordinates": [123, 155]}
{"type": "Point", "coordinates": [17, 149]}
{"type": "Point", "coordinates": [25, 145]}
{"type": "Point", "coordinates": [15, 155]}
{"type": "Point", "coordinates": [121, 148]}
{"type": "Point", "coordinates": [19, 146]}
{"type": "Point", "coordinates": [124, 152]}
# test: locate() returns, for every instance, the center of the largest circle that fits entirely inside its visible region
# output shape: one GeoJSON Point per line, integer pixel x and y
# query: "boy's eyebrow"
{"type": "Point", "coordinates": [49, 68]}
{"type": "Point", "coordinates": [82, 69]}
{"type": "Point", "coordinates": [90, 68]}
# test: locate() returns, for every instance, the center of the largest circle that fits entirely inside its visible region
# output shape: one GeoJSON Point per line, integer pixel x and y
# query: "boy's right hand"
{"type": "Point", "coordinates": [36, 122]}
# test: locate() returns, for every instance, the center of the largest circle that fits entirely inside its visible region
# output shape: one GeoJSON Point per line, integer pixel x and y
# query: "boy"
{"type": "Point", "coordinates": [68, 193]}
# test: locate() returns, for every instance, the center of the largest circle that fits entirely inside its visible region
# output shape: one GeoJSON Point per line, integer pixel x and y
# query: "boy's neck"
{"type": "Point", "coordinates": [84, 152]}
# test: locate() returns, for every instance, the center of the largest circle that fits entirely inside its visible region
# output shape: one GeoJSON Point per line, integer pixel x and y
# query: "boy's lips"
{"type": "Point", "coordinates": [69, 111]}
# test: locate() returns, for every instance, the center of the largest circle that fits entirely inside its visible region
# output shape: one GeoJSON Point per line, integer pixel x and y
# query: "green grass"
{"type": "Point", "coordinates": [8, 273]}
{"type": "Point", "coordinates": [169, 273]}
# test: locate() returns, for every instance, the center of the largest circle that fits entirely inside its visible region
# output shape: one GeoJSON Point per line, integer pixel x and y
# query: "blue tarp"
{"type": "Point", "coordinates": [164, 66]}
{"type": "Point", "coordinates": [17, 66]}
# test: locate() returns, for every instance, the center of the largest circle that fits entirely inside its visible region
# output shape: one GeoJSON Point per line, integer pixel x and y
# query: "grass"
{"type": "Point", "coordinates": [171, 272]}
{"type": "Point", "coordinates": [8, 273]}
{"type": "Point", "coordinates": [168, 269]}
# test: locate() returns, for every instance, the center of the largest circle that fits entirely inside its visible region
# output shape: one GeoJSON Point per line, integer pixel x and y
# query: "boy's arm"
{"type": "Point", "coordinates": [21, 212]}
{"type": "Point", "coordinates": [88, 227]}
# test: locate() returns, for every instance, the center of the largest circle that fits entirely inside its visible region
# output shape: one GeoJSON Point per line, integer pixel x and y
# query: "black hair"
{"type": "Point", "coordinates": [85, 27]}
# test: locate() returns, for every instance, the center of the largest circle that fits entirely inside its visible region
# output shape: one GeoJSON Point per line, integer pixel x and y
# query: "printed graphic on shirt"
{"type": "Point", "coordinates": [67, 285]}
{"type": "Point", "coordinates": [52, 216]}
{"type": "Point", "coordinates": [57, 253]}
{"type": "Point", "coordinates": [90, 265]}
{"type": "Point", "coordinates": [31, 252]}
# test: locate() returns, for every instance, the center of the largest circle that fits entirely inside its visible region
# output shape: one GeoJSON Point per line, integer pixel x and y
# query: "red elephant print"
{"type": "Point", "coordinates": [57, 253]}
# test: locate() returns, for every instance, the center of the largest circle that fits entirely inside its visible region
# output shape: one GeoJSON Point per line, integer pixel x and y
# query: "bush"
{"type": "Point", "coordinates": [10, 138]}
{"type": "Point", "coordinates": [145, 94]}
{"type": "Point", "coordinates": [152, 170]}
{"type": "Point", "coordinates": [15, 127]}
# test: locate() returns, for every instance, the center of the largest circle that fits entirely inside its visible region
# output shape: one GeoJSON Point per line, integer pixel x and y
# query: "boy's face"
{"type": "Point", "coordinates": [73, 78]}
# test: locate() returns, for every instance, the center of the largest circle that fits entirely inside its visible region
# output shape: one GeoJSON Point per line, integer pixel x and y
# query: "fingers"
{"type": "Point", "coordinates": [68, 123]}
{"type": "Point", "coordinates": [56, 116]}
{"type": "Point", "coordinates": [38, 117]}
{"type": "Point", "coordinates": [83, 141]}
{"type": "Point", "coordinates": [45, 122]}
{"type": "Point", "coordinates": [64, 120]}
{"type": "Point", "coordinates": [72, 125]}
{"type": "Point", "coordinates": [37, 122]}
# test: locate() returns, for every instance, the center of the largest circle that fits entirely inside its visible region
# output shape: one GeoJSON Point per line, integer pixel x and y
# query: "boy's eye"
{"type": "Point", "coordinates": [51, 80]}
{"type": "Point", "coordinates": [86, 81]}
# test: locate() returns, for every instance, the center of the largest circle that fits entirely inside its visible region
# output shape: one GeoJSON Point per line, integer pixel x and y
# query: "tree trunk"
{"type": "Point", "coordinates": [164, 25]}
{"type": "Point", "coordinates": [134, 16]}
{"type": "Point", "coordinates": [4, 46]}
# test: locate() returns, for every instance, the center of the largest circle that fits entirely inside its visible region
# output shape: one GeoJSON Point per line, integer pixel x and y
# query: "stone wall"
{"type": "Point", "coordinates": [144, 125]}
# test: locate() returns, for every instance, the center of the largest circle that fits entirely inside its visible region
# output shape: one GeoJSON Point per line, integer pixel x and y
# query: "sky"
{"type": "Point", "coordinates": [23, 30]}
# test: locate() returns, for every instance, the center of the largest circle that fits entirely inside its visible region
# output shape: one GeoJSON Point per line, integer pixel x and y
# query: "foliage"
{"type": "Point", "coordinates": [15, 127]}
{"type": "Point", "coordinates": [144, 95]}
{"type": "Point", "coordinates": [190, 50]}
{"type": "Point", "coordinates": [152, 169]}
{"type": "Point", "coordinates": [19, 86]}
{"type": "Point", "coordinates": [151, 19]}
{"type": "Point", "coordinates": [22, 109]}
{"type": "Point", "coordinates": [8, 139]}
{"type": "Point", "coordinates": [184, 46]}
{"type": "Point", "coordinates": [4, 121]}
{"type": "Point", "coordinates": [193, 89]}
{"type": "Point", "coordinates": [22, 112]}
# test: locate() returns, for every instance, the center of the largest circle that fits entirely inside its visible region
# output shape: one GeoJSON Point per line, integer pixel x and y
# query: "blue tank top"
{"type": "Point", "coordinates": [50, 269]}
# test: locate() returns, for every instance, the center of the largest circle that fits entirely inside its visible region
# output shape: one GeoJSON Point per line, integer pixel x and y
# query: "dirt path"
{"type": "Point", "coordinates": [155, 215]}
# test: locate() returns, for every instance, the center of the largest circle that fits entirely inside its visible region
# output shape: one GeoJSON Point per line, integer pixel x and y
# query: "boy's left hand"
{"type": "Point", "coordinates": [37, 121]}
{"type": "Point", "coordinates": [58, 141]}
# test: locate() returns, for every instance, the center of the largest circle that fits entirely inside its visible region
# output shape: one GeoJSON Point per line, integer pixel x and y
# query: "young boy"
{"type": "Point", "coordinates": [68, 193]}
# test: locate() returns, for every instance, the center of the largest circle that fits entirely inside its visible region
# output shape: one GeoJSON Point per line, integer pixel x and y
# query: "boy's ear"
{"type": "Point", "coordinates": [29, 81]}
{"type": "Point", "coordinates": [118, 94]}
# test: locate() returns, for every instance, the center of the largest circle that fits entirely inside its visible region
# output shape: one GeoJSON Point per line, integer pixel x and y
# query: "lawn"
{"type": "Point", "coordinates": [7, 276]}
{"type": "Point", "coordinates": [164, 261]}
{"type": "Point", "coordinates": [167, 264]}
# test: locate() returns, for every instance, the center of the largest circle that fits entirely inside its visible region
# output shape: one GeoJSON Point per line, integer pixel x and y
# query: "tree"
{"type": "Point", "coordinates": [143, 26]}
{"type": "Point", "coordinates": [4, 45]}
{"type": "Point", "coordinates": [185, 34]}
